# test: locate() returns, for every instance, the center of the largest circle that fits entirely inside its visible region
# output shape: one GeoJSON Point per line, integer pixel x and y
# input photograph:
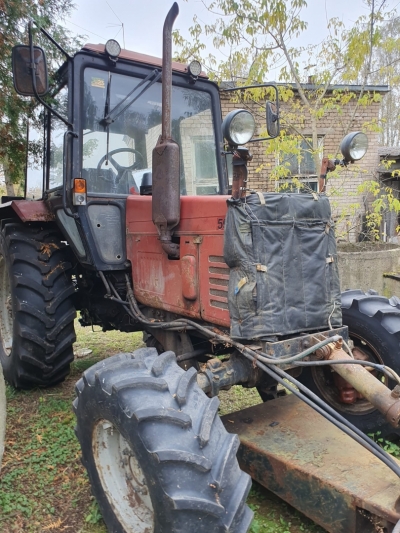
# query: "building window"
{"type": "Point", "coordinates": [302, 174]}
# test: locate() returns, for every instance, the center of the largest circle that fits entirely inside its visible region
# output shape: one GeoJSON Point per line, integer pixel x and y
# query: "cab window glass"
{"type": "Point", "coordinates": [121, 128]}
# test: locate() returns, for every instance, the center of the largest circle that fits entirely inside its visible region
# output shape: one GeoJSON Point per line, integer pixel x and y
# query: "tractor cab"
{"type": "Point", "coordinates": [99, 135]}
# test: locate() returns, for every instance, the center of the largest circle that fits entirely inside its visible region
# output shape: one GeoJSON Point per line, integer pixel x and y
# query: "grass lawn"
{"type": "Point", "coordinates": [43, 486]}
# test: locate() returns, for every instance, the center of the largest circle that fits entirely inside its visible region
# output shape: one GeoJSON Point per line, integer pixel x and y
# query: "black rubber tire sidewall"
{"type": "Point", "coordinates": [56, 352]}
{"type": "Point", "coordinates": [99, 399]}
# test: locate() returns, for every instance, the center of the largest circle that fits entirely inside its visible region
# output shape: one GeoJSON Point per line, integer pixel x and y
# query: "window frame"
{"type": "Point", "coordinates": [302, 177]}
{"type": "Point", "coordinates": [85, 59]}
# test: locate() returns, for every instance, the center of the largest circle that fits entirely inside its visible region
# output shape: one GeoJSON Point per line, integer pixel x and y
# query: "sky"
{"type": "Point", "coordinates": [143, 20]}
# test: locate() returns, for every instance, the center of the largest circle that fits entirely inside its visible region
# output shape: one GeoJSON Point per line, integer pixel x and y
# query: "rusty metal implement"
{"type": "Point", "coordinates": [293, 451]}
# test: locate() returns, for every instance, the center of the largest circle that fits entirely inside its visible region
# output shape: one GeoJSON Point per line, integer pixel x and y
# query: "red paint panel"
{"type": "Point", "coordinates": [158, 280]}
{"type": "Point", "coordinates": [200, 215]}
{"type": "Point", "coordinates": [32, 211]}
{"type": "Point", "coordinates": [195, 287]}
{"type": "Point", "coordinates": [189, 277]}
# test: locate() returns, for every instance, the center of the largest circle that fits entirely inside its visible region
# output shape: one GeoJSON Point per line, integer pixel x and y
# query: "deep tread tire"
{"type": "Point", "coordinates": [173, 429]}
{"type": "Point", "coordinates": [376, 320]}
{"type": "Point", "coordinates": [43, 311]}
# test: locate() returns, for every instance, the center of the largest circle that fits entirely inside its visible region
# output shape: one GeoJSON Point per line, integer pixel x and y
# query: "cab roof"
{"type": "Point", "coordinates": [140, 58]}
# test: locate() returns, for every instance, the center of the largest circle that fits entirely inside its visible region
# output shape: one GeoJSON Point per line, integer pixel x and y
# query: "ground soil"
{"type": "Point", "coordinates": [43, 486]}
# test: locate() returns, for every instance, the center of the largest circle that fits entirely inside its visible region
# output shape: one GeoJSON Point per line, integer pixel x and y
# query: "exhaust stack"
{"type": "Point", "coordinates": [166, 154]}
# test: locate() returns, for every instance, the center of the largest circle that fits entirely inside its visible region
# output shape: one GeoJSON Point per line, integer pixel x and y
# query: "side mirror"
{"type": "Point", "coordinates": [272, 118]}
{"type": "Point", "coordinates": [22, 70]}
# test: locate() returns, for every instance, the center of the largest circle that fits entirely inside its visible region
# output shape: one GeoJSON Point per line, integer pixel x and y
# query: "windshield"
{"type": "Point", "coordinates": [121, 127]}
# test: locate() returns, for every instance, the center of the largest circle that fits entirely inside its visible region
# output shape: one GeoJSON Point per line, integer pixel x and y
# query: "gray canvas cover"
{"type": "Point", "coordinates": [281, 251]}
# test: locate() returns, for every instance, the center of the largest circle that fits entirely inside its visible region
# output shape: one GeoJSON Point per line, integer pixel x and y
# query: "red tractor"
{"type": "Point", "coordinates": [140, 229]}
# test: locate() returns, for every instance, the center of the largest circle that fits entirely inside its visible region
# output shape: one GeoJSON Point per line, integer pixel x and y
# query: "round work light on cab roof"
{"type": "Point", "coordinates": [194, 69]}
{"type": "Point", "coordinates": [238, 127]}
{"type": "Point", "coordinates": [354, 146]}
{"type": "Point", "coordinates": [113, 49]}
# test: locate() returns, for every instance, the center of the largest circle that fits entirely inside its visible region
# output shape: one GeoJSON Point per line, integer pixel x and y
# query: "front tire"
{"type": "Point", "coordinates": [157, 454]}
{"type": "Point", "coordinates": [374, 328]}
{"type": "Point", "coordinates": [36, 306]}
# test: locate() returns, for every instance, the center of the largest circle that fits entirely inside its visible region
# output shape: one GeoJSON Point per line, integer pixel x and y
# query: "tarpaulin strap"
{"type": "Point", "coordinates": [315, 195]}
{"type": "Point", "coordinates": [261, 268]}
{"type": "Point", "coordinates": [261, 197]}
{"type": "Point", "coordinates": [330, 259]}
{"type": "Point", "coordinates": [242, 282]}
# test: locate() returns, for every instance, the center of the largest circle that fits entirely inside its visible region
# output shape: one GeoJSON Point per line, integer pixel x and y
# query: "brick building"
{"type": "Point", "coordinates": [348, 205]}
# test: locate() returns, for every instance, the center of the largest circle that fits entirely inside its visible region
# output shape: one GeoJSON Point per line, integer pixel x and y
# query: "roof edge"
{"type": "Point", "coordinates": [140, 58]}
{"type": "Point", "coordinates": [314, 87]}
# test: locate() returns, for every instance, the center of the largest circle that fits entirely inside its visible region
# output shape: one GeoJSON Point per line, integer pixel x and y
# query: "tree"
{"type": "Point", "coordinates": [15, 111]}
{"type": "Point", "coordinates": [258, 36]}
{"type": "Point", "coordinates": [386, 69]}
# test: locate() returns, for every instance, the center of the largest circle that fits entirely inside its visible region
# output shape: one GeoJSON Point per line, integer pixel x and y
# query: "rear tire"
{"type": "Point", "coordinates": [36, 306]}
{"type": "Point", "coordinates": [374, 327]}
{"type": "Point", "coordinates": [157, 454]}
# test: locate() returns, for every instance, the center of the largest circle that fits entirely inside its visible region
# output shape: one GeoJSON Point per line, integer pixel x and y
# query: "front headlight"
{"type": "Point", "coordinates": [354, 146]}
{"type": "Point", "coordinates": [238, 127]}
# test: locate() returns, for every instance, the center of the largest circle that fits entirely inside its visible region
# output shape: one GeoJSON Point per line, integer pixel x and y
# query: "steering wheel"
{"type": "Point", "coordinates": [119, 168]}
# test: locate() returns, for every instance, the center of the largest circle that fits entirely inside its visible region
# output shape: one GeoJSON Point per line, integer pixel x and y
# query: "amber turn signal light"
{"type": "Point", "coordinates": [79, 192]}
{"type": "Point", "coordinates": [79, 186]}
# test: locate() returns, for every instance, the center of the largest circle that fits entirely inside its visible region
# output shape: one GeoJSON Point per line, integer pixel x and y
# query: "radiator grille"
{"type": "Point", "coordinates": [218, 282]}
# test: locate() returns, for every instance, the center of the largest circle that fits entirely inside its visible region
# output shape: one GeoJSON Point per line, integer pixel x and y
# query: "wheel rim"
{"type": "Point", "coordinates": [122, 479]}
{"type": "Point", "coordinates": [328, 390]}
{"type": "Point", "coordinates": [6, 314]}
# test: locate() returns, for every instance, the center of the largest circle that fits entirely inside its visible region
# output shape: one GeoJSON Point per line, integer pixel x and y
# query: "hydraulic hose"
{"type": "Point", "coordinates": [264, 362]}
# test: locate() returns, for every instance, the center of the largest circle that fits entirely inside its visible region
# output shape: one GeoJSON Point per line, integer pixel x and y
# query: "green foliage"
{"type": "Point", "coordinates": [386, 69]}
{"type": "Point", "coordinates": [43, 485]}
{"type": "Point", "coordinates": [50, 447]}
{"type": "Point", "coordinates": [269, 518]}
{"type": "Point", "coordinates": [391, 447]}
{"type": "Point", "coordinates": [15, 111]}
{"type": "Point", "coordinates": [384, 201]}
{"type": "Point", "coordinates": [257, 35]}
{"type": "Point", "coordinates": [94, 516]}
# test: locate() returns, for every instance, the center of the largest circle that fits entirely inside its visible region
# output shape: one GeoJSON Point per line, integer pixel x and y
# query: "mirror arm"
{"type": "Point", "coordinates": [242, 87]}
{"type": "Point", "coordinates": [60, 117]}
{"type": "Point", "coordinates": [56, 44]}
{"type": "Point", "coordinates": [262, 139]}
{"type": "Point", "coordinates": [241, 156]}
{"type": "Point", "coordinates": [327, 165]}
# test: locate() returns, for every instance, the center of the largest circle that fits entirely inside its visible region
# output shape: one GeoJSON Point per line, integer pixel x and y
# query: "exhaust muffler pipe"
{"type": "Point", "coordinates": [166, 154]}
